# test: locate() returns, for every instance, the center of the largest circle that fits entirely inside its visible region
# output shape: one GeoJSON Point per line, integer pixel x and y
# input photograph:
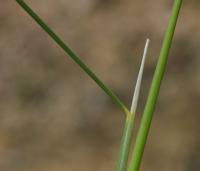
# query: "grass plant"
{"type": "Point", "coordinates": [130, 114]}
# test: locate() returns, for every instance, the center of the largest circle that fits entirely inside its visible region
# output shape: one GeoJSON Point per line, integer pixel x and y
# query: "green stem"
{"type": "Point", "coordinates": [126, 142]}
{"type": "Point", "coordinates": [154, 90]}
{"type": "Point", "coordinates": [75, 57]}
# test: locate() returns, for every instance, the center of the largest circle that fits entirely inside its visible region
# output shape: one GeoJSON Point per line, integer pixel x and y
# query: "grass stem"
{"type": "Point", "coordinates": [154, 90]}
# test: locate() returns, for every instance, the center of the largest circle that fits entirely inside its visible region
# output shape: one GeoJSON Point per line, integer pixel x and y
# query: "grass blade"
{"type": "Point", "coordinates": [154, 90]}
{"type": "Point", "coordinates": [73, 56]}
{"type": "Point", "coordinates": [128, 129]}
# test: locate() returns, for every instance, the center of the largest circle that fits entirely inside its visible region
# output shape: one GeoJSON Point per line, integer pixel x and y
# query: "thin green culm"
{"type": "Point", "coordinates": [154, 90]}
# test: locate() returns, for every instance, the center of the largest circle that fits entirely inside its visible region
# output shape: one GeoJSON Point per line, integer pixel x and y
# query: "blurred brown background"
{"type": "Point", "coordinates": [54, 118]}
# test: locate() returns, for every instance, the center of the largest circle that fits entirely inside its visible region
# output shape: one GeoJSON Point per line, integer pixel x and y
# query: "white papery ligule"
{"type": "Point", "coordinates": [139, 80]}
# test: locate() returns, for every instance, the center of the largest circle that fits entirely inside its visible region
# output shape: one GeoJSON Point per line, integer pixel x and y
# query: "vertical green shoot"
{"type": "Point", "coordinates": [154, 90]}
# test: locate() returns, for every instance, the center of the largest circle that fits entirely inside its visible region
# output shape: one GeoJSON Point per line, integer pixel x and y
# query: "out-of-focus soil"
{"type": "Point", "coordinates": [53, 117]}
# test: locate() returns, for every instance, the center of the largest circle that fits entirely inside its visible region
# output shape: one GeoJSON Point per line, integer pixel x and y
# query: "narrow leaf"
{"type": "Point", "coordinates": [73, 55]}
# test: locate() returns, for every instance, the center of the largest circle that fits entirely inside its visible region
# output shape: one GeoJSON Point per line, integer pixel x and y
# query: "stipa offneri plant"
{"type": "Point", "coordinates": [138, 149]}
